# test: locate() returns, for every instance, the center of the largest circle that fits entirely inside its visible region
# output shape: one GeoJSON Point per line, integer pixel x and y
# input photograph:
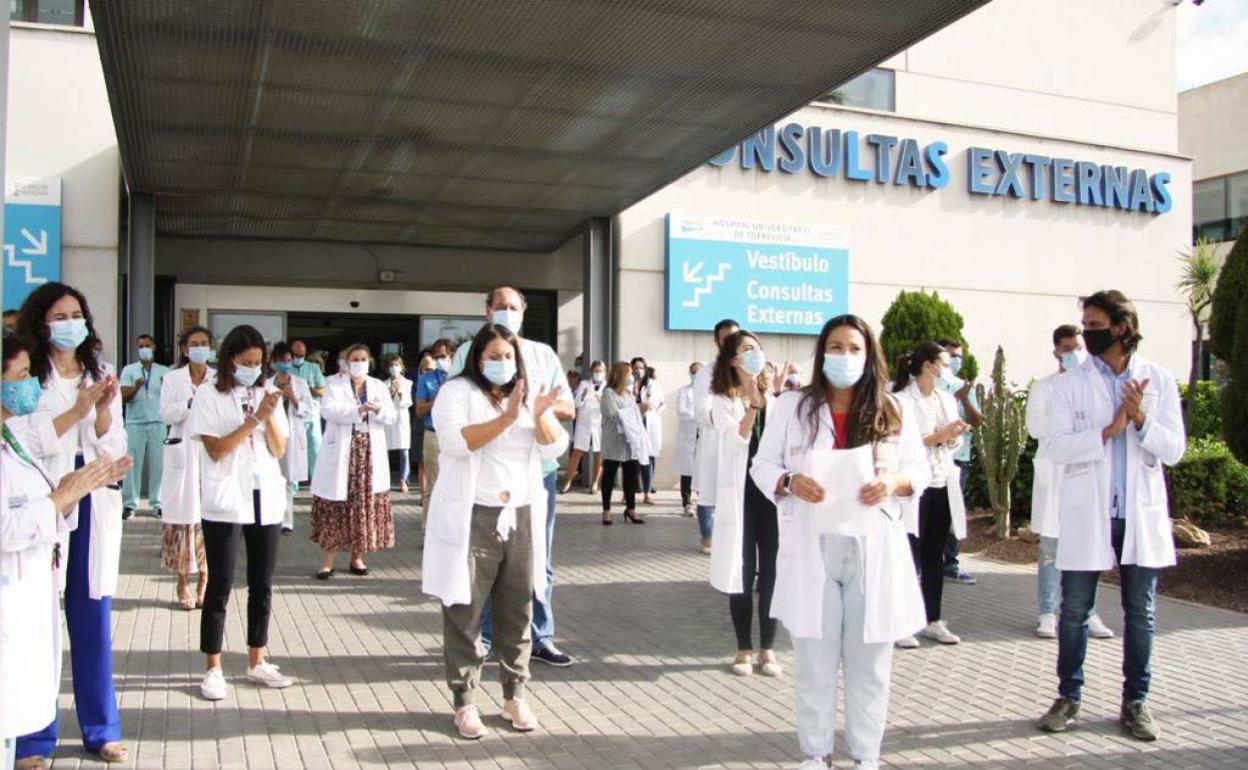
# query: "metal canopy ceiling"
{"type": "Point", "coordinates": [470, 123]}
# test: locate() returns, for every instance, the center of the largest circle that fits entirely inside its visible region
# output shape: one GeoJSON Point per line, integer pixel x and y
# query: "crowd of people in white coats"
{"type": "Point", "coordinates": [833, 500]}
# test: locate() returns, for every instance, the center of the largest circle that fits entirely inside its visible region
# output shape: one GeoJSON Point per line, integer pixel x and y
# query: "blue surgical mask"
{"type": "Point", "coordinates": [285, 367]}
{"type": "Point", "coordinates": [297, 360]}
{"type": "Point", "coordinates": [246, 375]}
{"type": "Point", "coordinates": [500, 372]}
{"type": "Point", "coordinates": [844, 371]}
{"type": "Point", "coordinates": [68, 334]}
{"type": "Point", "coordinates": [955, 364]}
{"type": "Point", "coordinates": [20, 397]}
{"type": "Point", "coordinates": [212, 356]}
{"type": "Point", "coordinates": [512, 319]}
{"type": "Point", "coordinates": [1073, 359]}
{"type": "Point", "coordinates": [200, 354]}
{"type": "Point", "coordinates": [146, 354]}
{"type": "Point", "coordinates": [948, 381]}
{"type": "Point", "coordinates": [753, 361]}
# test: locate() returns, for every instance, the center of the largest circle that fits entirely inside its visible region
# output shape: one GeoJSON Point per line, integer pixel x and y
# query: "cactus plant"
{"type": "Point", "coordinates": [1001, 437]}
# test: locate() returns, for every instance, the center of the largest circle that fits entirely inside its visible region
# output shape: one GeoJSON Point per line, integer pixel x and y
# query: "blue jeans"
{"type": "Point", "coordinates": [1139, 593]}
{"type": "Point", "coordinates": [706, 517]}
{"type": "Point", "coordinates": [647, 477]}
{"type": "Point", "coordinates": [1048, 579]}
{"type": "Point", "coordinates": [543, 609]}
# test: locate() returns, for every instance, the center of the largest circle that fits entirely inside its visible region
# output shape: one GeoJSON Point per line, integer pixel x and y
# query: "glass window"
{"type": "Point", "coordinates": [1237, 203]}
{"type": "Point", "coordinates": [68, 13]}
{"type": "Point", "coordinates": [873, 90]}
{"type": "Point", "coordinates": [1209, 209]}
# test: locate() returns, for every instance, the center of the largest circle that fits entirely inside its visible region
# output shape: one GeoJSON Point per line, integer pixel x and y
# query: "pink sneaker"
{"type": "Point", "coordinates": [468, 723]}
{"type": "Point", "coordinates": [522, 718]}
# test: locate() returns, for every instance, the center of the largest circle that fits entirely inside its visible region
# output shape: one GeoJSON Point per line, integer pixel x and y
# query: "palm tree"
{"type": "Point", "coordinates": [1198, 274]}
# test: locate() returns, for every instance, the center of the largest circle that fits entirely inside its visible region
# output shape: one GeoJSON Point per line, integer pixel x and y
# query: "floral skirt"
{"type": "Point", "coordinates": [364, 522]}
{"type": "Point", "coordinates": [182, 549]}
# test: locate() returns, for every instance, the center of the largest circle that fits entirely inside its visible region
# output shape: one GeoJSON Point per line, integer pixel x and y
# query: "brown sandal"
{"type": "Point", "coordinates": [185, 601]}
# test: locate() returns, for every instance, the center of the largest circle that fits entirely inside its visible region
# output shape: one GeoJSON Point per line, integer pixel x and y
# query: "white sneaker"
{"type": "Point", "coordinates": [1047, 627]}
{"type": "Point", "coordinates": [267, 675]}
{"type": "Point", "coordinates": [770, 668]}
{"type": "Point", "coordinates": [867, 764]}
{"type": "Point", "coordinates": [813, 764]}
{"type": "Point", "coordinates": [1097, 628]}
{"type": "Point", "coordinates": [937, 631]}
{"type": "Point", "coordinates": [743, 667]}
{"type": "Point", "coordinates": [908, 643]}
{"type": "Point", "coordinates": [213, 686]}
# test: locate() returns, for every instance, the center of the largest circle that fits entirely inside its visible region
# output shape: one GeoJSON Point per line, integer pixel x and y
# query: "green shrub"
{"type": "Point", "coordinates": [1204, 410]}
{"type": "Point", "coordinates": [916, 317]}
{"type": "Point", "coordinates": [1235, 399]}
{"type": "Point", "coordinates": [1227, 295]}
{"type": "Point", "coordinates": [1208, 485]}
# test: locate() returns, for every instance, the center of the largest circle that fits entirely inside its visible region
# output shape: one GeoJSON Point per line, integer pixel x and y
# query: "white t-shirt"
{"type": "Point", "coordinates": [504, 477]}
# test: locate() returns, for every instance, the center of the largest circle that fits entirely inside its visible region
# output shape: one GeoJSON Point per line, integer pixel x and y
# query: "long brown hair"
{"type": "Point", "coordinates": [472, 363]}
{"type": "Point", "coordinates": [726, 379]}
{"type": "Point", "coordinates": [873, 413]}
{"type": "Point", "coordinates": [617, 378]}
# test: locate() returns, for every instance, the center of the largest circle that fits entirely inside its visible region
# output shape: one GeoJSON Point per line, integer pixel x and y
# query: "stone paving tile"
{"type": "Point", "coordinates": [651, 688]}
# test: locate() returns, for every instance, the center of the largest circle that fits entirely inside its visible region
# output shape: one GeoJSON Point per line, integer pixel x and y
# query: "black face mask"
{"type": "Point", "coordinates": [1097, 341]}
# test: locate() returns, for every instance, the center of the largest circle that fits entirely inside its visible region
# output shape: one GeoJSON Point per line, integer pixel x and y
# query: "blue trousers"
{"type": "Point", "coordinates": [706, 518]}
{"type": "Point", "coordinates": [91, 653]}
{"type": "Point", "coordinates": [543, 609]}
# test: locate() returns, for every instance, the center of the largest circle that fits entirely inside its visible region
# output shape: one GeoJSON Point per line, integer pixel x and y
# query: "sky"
{"type": "Point", "coordinates": [1212, 41]}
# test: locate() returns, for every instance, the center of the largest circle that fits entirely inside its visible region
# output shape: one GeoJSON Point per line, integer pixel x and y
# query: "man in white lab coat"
{"type": "Point", "coordinates": [1114, 421]}
{"type": "Point", "coordinates": [687, 439]}
{"type": "Point", "coordinates": [705, 472]}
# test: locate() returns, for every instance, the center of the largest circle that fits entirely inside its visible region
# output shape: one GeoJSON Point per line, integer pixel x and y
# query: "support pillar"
{"type": "Point", "coordinates": [598, 292]}
{"type": "Point", "coordinates": [140, 269]}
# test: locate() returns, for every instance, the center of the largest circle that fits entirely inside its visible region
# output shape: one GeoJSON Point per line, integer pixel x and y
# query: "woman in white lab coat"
{"type": "Point", "coordinates": [744, 540]}
{"type": "Point", "coordinates": [351, 484]}
{"type": "Point", "coordinates": [241, 430]}
{"type": "Point", "coordinates": [687, 439]}
{"type": "Point", "coordinates": [298, 405]}
{"type": "Point", "coordinates": [941, 508]}
{"type": "Point", "coordinates": [79, 419]}
{"type": "Point", "coordinates": [182, 537]}
{"type": "Point", "coordinates": [845, 587]}
{"type": "Point", "coordinates": [652, 406]}
{"type": "Point", "coordinates": [486, 517]}
{"type": "Point", "coordinates": [587, 432]}
{"type": "Point", "coordinates": [399, 432]}
{"type": "Point", "coordinates": [34, 517]}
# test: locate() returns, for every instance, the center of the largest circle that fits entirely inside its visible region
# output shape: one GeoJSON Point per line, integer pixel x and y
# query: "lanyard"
{"type": "Point", "coordinates": [247, 402]}
{"type": "Point", "coordinates": [363, 398]}
{"type": "Point", "coordinates": [146, 374]}
{"type": "Point", "coordinates": [16, 446]}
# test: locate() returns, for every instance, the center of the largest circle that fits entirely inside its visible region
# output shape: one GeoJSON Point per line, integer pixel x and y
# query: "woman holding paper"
{"type": "Point", "coordinates": [941, 507]}
{"type": "Point", "coordinates": [744, 537]}
{"type": "Point", "coordinates": [845, 588]}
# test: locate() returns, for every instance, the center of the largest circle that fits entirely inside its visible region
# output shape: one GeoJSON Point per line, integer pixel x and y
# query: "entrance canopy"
{"type": "Point", "coordinates": [469, 123]}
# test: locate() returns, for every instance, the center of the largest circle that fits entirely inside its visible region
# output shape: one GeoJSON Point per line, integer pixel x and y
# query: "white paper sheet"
{"type": "Point", "coordinates": [842, 474]}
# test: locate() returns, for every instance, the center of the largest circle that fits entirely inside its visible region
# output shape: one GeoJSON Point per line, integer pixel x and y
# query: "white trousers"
{"type": "Point", "coordinates": [867, 666]}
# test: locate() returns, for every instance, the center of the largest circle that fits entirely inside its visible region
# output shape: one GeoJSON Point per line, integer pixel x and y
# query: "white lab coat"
{"type": "Point", "coordinates": [1081, 407]}
{"type": "Point", "coordinates": [399, 432]}
{"type": "Point", "coordinates": [894, 604]}
{"type": "Point", "coordinates": [1046, 476]}
{"type": "Point", "coordinates": [57, 457]}
{"type": "Point", "coordinates": [341, 410]}
{"type": "Point", "coordinates": [227, 485]}
{"type": "Point", "coordinates": [587, 436]}
{"type": "Point", "coordinates": [911, 397]}
{"type": "Point", "coordinates": [686, 432]}
{"type": "Point", "coordinates": [732, 461]}
{"type": "Point", "coordinates": [179, 483]}
{"type": "Point", "coordinates": [30, 613]}
{"type": "Point", "coordinates": [652, 397]}
{"type": "Point", "coordinates": [707, 452]}
{"type": "Point", "coordinates": [445, 570]}
{"type": "Point", "coordinates": [295, 461]}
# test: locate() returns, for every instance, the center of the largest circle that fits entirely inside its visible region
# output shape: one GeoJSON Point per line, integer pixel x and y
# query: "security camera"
{"type": "Point", "coordinates": [355, 303]}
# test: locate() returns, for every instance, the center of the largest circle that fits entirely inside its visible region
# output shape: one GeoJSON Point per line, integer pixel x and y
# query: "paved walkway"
{"type": "Point", "coordinates": [651, 689]}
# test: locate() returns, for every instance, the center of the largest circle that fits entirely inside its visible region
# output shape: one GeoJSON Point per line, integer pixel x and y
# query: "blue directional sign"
{"type": "Point", "coordinates": [32, 238]}
{"type": "Point", "coordinates": [774, 277]}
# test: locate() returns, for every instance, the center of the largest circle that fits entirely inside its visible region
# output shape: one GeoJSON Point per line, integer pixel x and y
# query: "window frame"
{"type": "Point", "coordinates": [829, 97]}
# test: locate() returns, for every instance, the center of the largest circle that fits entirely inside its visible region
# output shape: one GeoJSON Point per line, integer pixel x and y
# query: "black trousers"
{"type": "Point", "coordinates": [632, 480]}
{"type": "Point", "coordinates": [221, 548]}
{"type": "Point", "coordinates": [686, 490]}
{"type": "Point", "coordinates": [928, 548]}
{"type": "Point", "coordinates": [760, 537]}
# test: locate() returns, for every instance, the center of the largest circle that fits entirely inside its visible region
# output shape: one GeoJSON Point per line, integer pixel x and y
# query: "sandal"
{"type": "Point", "coordinates": [185, 600]}
{"type": "Point", "coordinates": [113, 752]}
{"type": "Point", "coordinates": [31, 763]}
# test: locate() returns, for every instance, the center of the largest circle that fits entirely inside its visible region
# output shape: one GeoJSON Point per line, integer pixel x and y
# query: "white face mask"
{"type": "Point", "coordinates": [359, 369]}
{"type": "Point", "coordinates": [396, 372]}
{"type": "Point", "coordinates": [442, 364]}
{"type": "Point", "coordinates": [512, 319]}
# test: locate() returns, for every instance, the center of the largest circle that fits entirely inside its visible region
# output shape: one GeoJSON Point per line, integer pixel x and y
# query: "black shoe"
{"type": "Point", "coordinates": [127, 514]}
{"type": "Point", "coordinates": [551, 655]}
{"type": "Point", "coordinates": [633, 518]}
{"type": "Point", "coordinates": [287, 530]}
{"type": "Point", "coordinates": [325, 574]}
{"type": "Point", "coordinates": [361, 571]}
{"type": "Point", "coordinates": [156, 512]}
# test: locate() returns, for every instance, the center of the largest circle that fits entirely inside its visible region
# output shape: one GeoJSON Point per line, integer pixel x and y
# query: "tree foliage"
{"type": "Point", "coordinates": [1230, 293]}
{"type": "Point", "coordinates": [916, 317]}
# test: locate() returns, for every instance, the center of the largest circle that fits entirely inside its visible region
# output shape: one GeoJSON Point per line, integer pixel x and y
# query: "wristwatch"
{"type": "Point", "coordinates": [788, 483]}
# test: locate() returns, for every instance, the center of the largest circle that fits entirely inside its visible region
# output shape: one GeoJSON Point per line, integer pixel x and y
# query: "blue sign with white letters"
{"type": "Point", "coordinates": [772, 277]}
{"type": "Point", "coordinates": [32, 238]}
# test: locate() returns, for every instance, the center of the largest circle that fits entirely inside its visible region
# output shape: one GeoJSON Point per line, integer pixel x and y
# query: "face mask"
{"type": "Point", "coordinates": [512, 319]}
{"type": "Point", "coordinates": [21, 396]}
{"type": "Point", "coordinates": [298, 360]}
{"type": "Point", "coordinates": [794, 380]}
{"type": "Point", "coordinates": [844, 371]}
{"type": "Point", "coordinates": [442, 364]}
{"type": "Point", "coordinates": [753, 361]}
{"type": "Point", "coordinates": [199, 354]}
{"type": "Point", "coordinates": [212, 356]}
{"type": "Point", "coordinates": [1097, 341]}
{"type": "Point", "coordinates": [396, 372]}
{"type": "Point", "coordinates": [596, 377]}
{"type": "Point", "coordinates": [358, 369]}
{"type": "Point", "coordinates": [693, 377]}
{"type": "Point", "coordinates": [146, 354]}
{"type": "Point", "coordinates": [1072, 359]}
{"type": "Point", "coordinates": [499, 372]}
{"type": "Point", "coordinates": [639, 374]}
{"type": "Point", "coordinates": [68, 334]}
{"type": "Point", "coordinates": [955, 364]}
{"type": "Point", "coordinates": [285, 367]}
{"type": "Point", "coordinates": [246, 375]}
{"type": "Point", "coordinates": [342, 365]}
{"type": "Point", "coordinates": [947, 380]}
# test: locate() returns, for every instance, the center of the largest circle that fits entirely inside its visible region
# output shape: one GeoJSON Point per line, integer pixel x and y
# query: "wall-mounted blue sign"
{"type": "Point", "coordinates": [885, 159]}
{"type": "Point", "coordinates": [773, 277]}
{"type": "Point", "coordinates": [32, 238]}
